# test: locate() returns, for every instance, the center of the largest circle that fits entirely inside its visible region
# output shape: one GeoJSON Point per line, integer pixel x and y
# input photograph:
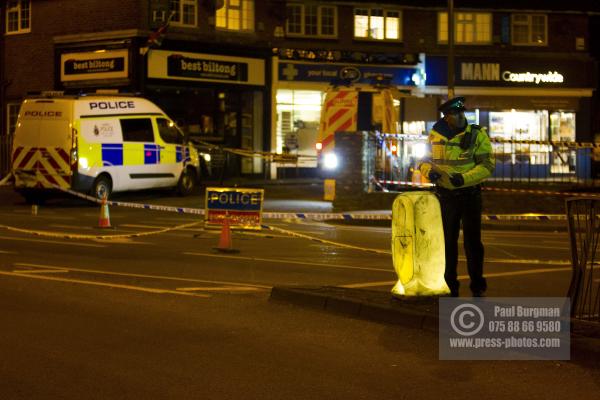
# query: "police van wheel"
{"type": "Point", "coordinates": [187, 182]}
{"type": "Point", "coordinates": [102, 187]}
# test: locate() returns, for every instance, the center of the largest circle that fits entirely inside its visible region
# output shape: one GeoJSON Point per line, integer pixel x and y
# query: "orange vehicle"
{"type": "Point", "coordinates": [352, 109]}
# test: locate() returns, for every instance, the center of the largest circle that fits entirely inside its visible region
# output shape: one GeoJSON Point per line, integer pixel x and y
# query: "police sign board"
{"type": "Point", "coordinates": [243, 207]}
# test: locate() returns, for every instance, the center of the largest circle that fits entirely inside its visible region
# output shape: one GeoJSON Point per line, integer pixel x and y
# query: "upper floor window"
{"type": "Point", "coordinates": [236, 15]}
{"type": "Point", "coordinates": [18, 16]}
{"type": "Point", "coordinates": [529, 29]}
{"type": "Point", "coordinates": [311, 20]}
{"type": "Point", "coordinates": [185, 12]}
{"type": "Point", "coordinates": [469, 28]}
{"type": "Point", "coordinates": [377, 24]}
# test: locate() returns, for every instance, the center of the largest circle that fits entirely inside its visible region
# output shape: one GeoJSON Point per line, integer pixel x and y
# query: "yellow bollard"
{"type": "Point", "coordinates": [34, 209]}
{"type": "Point", "coordinates": [329, 189]}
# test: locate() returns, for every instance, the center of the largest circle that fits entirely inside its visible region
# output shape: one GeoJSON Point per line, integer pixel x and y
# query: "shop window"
{"type": "Point", "coordinates": [298, 117]}
{"type": "Point", "coordinates": [519, 127]}
{"type": "Point", "coordinates": [18, 16]}
{"type": "Point", "coordinates": [137, 130]}
{"type": "Point", "coordinates": [469, 28]}
{"type": "Point", "coordinates": [12, 113]}
{"type": "Point", "coordinates": [377, 24]}
{"type": "Point", "coordinates": [529, 29]}
{"type": "Point", "coordinates": [562, 129]}
{"type": "Point", "coordinates": [168, 131]}
{"type": "Point", "coordinates": [236, 15]}
{"type": "Point", "coordinates": [311, 20]}
{"type": "Point", "coordinates": [185, 12]}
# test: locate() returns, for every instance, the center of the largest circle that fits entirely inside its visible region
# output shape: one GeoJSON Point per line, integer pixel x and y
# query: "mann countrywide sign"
{"type": "Point", "coordinates": [511, 73]}
{"type": "Point", "coordinates": [179, 65]}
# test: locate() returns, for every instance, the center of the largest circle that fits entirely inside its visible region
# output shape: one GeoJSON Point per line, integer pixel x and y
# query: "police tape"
{"type": "Point", "coordinates": [391, 137]}
{"type": "Point", "coordinates": [426, 185]}
{"type": "Point", "coordinates": [64, 235]}
{"type": "Point", "coordinates": [5, 180]}
{"type": "Point", "coordinates": [378, 215]}
{"type": "Point", "coordinates": [273, 157]}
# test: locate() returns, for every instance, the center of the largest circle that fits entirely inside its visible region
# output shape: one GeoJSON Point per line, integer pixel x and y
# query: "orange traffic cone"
{"type": "Point", "coordinates": [104, 220]}
{"type": "Point", "coordinates": [225, 245]}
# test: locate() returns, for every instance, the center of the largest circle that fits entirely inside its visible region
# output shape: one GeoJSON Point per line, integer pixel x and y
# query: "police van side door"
{"type": "Point", "coordinates": [173, 153]}
{"type": "Point", "coordinates": [141, 155]}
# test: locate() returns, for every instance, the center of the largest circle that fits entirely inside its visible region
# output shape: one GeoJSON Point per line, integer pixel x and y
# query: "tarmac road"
{"type": "Point", "coordinates": [163, 316]}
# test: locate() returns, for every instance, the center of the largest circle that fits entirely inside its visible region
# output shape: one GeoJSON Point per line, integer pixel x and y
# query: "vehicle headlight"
{"type": "Point", "coordinates": [206, 157]}
{"type": "Point", "coordinates": [83, 162]}
{"type": "Point", "coordinates": [330, 161]}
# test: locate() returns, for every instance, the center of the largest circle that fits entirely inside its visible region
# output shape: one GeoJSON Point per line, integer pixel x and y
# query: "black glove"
{"type": "Point", "coordinates": [434, 176]}
{"type": "Point", "coordinates": [457, 180]}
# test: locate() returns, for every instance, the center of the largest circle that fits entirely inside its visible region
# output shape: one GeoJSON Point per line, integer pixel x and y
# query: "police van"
{"type": "Point", "coordinates": [99, 144]}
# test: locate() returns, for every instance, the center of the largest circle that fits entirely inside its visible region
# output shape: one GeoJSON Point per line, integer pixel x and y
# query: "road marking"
{"type": "Point", "coordinates": [464, 277]}
{"type": "Point", "coordinates": [368, 284]}
{"type": "Point", "coordinates": [70, 226]}
{"type": "Point", "coordinates": [104, 284]}
{"type": "Point", "coordinates": [277, 260]}
{"type": "Point", "coordinates": [51, 241]}
{"type": "Point", "coordinates": [8, 252]}
{"type": "Point", "coordinates": [40, 271]}
{"type": "Point", "coordinates": [220, 289]}
{"type": "Point", "coordinates": [534, 246]}
{"type": "Point", "coordinates": [143, 226]}
{"type": "Point", "coordinates": [167, 278]}
{"type": "Point", "coordinates": [521, 261]}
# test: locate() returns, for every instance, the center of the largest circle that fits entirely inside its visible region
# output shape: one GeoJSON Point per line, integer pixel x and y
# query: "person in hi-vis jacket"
{"type": "Point", "coordinates": [460, 159]}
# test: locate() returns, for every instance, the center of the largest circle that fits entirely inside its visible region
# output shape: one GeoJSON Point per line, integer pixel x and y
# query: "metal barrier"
{"type": "Point", "coordinates": [395, 158]}
{"type": "Point", "coordinates": [583, 215]}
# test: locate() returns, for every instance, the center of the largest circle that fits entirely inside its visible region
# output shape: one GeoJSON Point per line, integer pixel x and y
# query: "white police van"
{"type": "Point", "coordinates": [99, 144]}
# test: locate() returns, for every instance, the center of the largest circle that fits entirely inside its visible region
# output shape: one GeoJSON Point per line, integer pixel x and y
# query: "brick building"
{"type": "Point", "coordinates": [251, 74]}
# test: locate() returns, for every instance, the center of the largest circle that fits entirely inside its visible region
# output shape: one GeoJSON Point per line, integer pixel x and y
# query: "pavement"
{"type": "Point", "coordinates": [421, 313]}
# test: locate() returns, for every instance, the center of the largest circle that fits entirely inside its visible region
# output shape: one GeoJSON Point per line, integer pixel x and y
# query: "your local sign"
{"type": "Point", "coordinates": [318, 72]}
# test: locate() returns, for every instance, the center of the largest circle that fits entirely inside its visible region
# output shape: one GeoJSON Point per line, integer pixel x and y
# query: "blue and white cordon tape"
{"type": "Point", "coordinates": [372, 216]}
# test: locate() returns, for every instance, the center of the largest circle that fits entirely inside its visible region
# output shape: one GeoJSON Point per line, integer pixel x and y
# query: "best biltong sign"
{"type": "Point", "coordinates": [188, 67]}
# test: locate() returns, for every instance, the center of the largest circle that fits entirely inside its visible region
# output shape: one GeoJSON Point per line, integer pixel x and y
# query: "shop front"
{"type": "Point", "coordinates": [216, 98]}
{"type": "Point", "coordinates": [524, 101]}
{"type": "Point", "coordinates": [300, 88]}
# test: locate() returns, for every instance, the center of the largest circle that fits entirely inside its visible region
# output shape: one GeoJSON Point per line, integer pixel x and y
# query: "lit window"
{"type": "Point", "coordinates": [236, 15]}
{"type": "Point", "coordinates": [18, 16]}
{"type": "Point", "coordinates": [529, 29]}
{"type": "Point", "coordinates": [469, 28]}
{"type": "Point", "coordinates": [311, 20]}
{"type": "Point", "coordinates": [185, 12]}
{"type": "Point", "coordinates": [377, 24]}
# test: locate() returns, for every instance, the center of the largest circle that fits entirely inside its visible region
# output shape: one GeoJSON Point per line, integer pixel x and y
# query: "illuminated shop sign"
{"type": "Point", "coordinates": [511, 72]}
{"type": "Point", "coordinates": [491, 72]}
{"type": "Point", "coordinates": [328, 72]}
{"type": "Point", "coordinates": [553, 77]}
{"type": "Point", "coordinates": [178, 65]}
{"type": "Point", "coordinates": [163, 64]}
{"type": "Point", "coordinates": [94, 65]}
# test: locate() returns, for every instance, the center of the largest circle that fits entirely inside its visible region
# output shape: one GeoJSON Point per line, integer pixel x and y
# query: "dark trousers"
{"type": "Point", "coordinates": [463, 205]}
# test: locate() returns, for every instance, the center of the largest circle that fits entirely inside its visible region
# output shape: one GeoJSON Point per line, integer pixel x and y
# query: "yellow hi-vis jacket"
{"type": "Point", "coordinates": [474, 160]}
